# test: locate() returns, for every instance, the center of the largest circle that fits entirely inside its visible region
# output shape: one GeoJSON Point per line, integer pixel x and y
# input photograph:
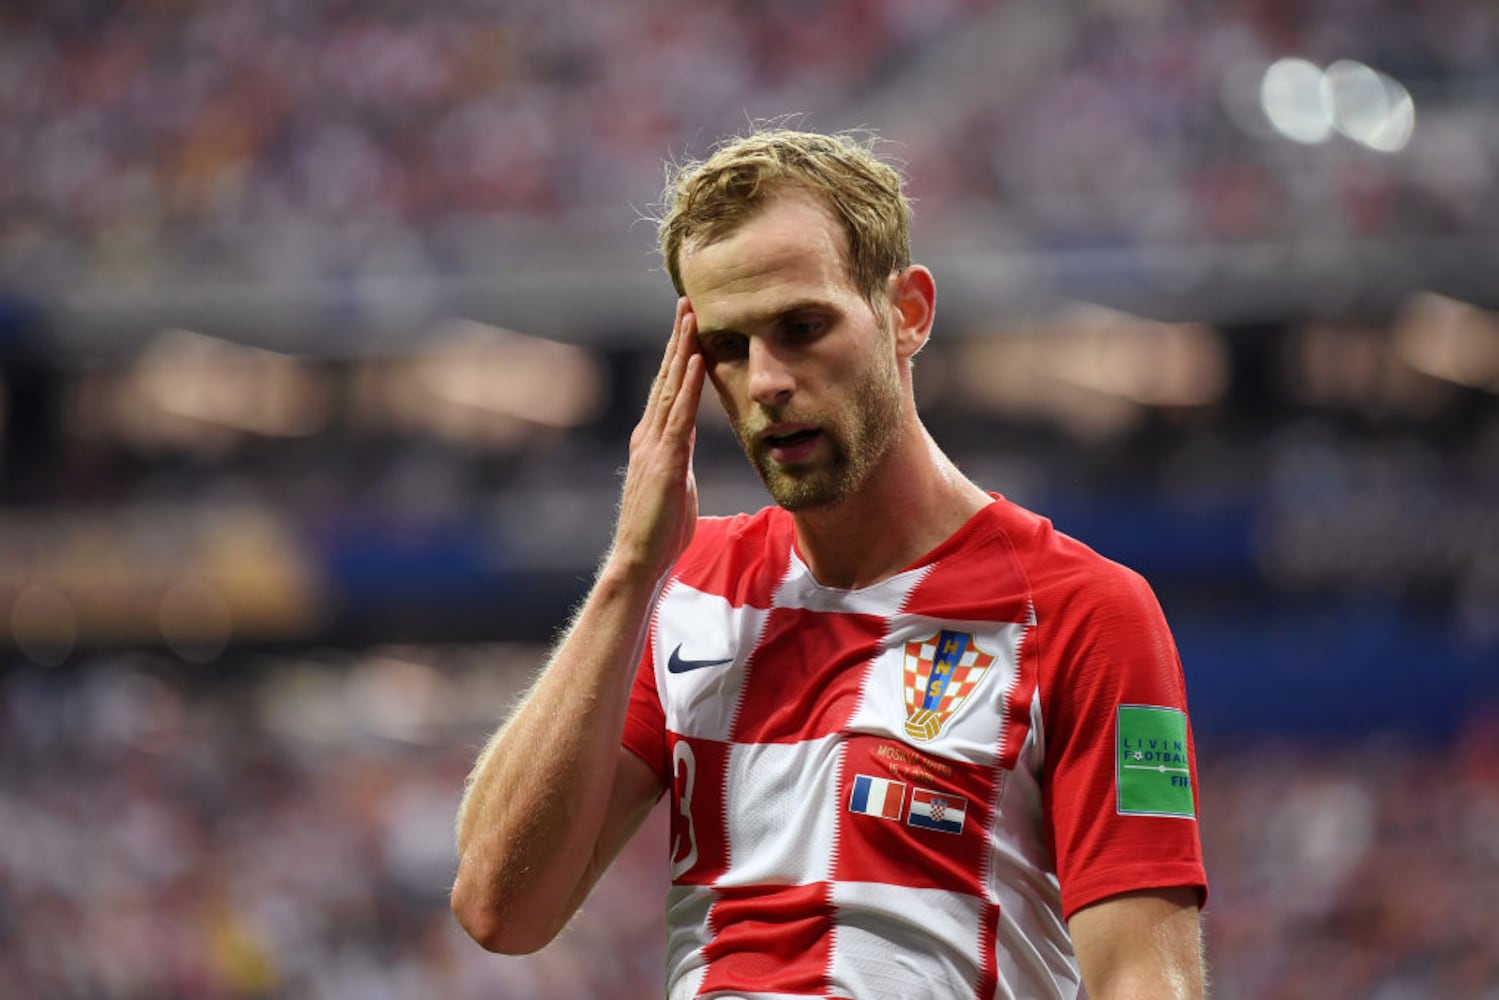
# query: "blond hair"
{"type": "Point", "coordinates": [708, 199]}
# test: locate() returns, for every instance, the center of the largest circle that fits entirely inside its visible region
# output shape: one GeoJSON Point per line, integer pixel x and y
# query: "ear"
{"type": "Point", "coordinates": [913, 307]}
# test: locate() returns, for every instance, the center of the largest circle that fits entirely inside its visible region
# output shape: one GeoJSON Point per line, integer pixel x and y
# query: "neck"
{"type": "Point", "coordinates": [914, 499]}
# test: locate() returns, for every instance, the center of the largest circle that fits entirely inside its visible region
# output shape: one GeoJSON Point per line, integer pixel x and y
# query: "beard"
{"type": "Point", "coordinates": [858, 439]}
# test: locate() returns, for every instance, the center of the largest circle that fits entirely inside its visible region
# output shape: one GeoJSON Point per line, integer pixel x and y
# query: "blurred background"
{"type": "Point", "coordinates": [323, 325]}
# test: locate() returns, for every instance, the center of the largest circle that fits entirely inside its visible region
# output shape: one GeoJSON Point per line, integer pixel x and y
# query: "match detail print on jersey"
{"type": "Point", "coordinates": [1154, 770]}
{"type": "Point", "coordinates": [940, 672]}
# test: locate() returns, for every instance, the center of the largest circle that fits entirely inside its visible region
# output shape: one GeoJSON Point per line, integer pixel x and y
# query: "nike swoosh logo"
{"type": "Point", "coordinates": [677, 665]}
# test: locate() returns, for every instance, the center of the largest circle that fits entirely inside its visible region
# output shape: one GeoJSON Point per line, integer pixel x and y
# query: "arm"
{"type": "Point", "coordinates": [1126, 842]}
{"type": "Point", "coordinates": [1143, 945]}
{"type": "Point", "coordinates": [554, 796]}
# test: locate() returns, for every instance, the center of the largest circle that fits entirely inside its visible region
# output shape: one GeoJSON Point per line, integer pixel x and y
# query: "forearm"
{"type": "Point", "coordinates": [535, 801]}
{"type": "Point", "coordinates": [546, 788]}
{"type": "Point", "coordinates": [1142, 946]}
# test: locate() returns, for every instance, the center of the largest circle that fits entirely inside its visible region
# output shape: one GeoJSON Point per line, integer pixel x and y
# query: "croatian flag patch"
{"type": "Point", "coordinates": [935, 811]}
{"type": "Point", "coordinates": [877, 797]}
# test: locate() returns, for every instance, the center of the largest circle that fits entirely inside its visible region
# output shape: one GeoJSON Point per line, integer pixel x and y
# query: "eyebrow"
{"type": "Point", "coordinates": [762, 316]}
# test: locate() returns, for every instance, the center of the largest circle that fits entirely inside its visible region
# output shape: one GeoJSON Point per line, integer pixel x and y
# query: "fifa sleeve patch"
{"type": "Point", "coordinates": [1154, 774]}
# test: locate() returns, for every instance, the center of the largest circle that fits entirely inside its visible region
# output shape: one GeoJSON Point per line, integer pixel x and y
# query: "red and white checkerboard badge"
{"type": "Point", "coordinates": [940, 672]}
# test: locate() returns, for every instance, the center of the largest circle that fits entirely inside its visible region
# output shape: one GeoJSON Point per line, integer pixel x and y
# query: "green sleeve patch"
{"type": "Point", "coordinates": [1154, 771]}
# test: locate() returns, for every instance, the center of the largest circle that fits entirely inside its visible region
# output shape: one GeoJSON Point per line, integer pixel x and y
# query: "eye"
{"type": "Point", "coordinates": [719, 347]}
{"type": "Point", "coordinates": [803, 328]}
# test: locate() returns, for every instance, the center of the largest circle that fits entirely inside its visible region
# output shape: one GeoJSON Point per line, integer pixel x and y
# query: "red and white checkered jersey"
{"type": "Point", "coordinates": [905, 790]}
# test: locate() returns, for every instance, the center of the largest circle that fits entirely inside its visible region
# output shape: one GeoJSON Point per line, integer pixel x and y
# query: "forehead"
{"type": "Point", "coordinates": [792, 250]}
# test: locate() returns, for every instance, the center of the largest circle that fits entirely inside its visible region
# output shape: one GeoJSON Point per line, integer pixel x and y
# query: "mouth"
{"type": "Point", "coordinates": [791, 443]}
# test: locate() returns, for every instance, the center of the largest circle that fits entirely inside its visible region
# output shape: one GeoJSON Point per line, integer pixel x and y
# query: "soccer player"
{"type": "Point", "coordinates": [918, 743]}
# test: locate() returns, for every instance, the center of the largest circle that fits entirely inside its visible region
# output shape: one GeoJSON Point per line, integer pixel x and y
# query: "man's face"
{"type": "Point", "coordinates": [804, 366]}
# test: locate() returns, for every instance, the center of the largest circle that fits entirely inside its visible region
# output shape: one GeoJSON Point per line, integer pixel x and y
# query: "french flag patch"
{"type": "Point", "coordinates": [935, 811]}
{"type": "Point", "coordinates": [877, 797]}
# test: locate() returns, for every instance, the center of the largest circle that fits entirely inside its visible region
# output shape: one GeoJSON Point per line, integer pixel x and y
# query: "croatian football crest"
{"type": "Point", "coordinates": [941, 671]}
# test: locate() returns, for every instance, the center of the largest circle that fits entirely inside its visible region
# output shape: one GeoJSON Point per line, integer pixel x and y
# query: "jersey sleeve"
{"type": "Point", "coordinates": [645, 719]}
{"type": "Point", "coordinates": [1120, 772]}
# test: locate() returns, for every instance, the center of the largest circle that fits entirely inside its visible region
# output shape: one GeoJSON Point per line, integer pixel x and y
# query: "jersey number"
{"type": "Point", "coordinates": [685, 764]}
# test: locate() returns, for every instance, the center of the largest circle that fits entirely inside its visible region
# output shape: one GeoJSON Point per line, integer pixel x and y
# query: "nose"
{"type": "Point", "coordinates": [770, 379]}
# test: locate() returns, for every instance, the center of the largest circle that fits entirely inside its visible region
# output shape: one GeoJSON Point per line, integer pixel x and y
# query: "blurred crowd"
{"type": "Point", "coordinates": [285, 831]}
{"type": "Point", "coordinates": [252, 137]}
{"type": "Point", "coordinates": [287, 835]}
{"type": "Point", "coordinates": [1145, 125]}
{"type": "Point", "coordinates": [292, 139]}
{"type": "Point", "coordinates": [1354, 870]}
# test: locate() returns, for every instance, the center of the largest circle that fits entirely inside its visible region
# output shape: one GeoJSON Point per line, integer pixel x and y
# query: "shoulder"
{"type": "Point", "coordinates": [739, 556]}
{"type": "Point", "coordinates": [1068, 578]}
{"type": "Point", "coordinates": [1100, 631]}
{"type": "Point", "coordinates": [719, 538]}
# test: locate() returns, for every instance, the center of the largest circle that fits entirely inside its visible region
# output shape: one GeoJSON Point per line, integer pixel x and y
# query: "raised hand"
{"type": "Point", "coordinates": [658, 506]}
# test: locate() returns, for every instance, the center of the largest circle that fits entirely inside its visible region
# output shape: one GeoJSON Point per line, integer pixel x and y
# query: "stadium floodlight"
{"type": "Point", "coordinates": [1295, 100]}
{"type": "Point", "coordinates": [1307, 104]}
{"type": "Point", "coordinates": [1369, 107]}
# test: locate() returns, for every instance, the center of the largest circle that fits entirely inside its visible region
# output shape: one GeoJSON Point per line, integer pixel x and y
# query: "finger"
{"type": "Point", "coordinates": [682, 349]}
{"type": "Point", "coordinates": [681, 420]}
{"type": "Point", "coordinates": [660, 384]}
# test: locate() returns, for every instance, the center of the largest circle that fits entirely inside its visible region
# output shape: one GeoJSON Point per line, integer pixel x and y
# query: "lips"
{"type": "Point", "coordinates": [789, 443]}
